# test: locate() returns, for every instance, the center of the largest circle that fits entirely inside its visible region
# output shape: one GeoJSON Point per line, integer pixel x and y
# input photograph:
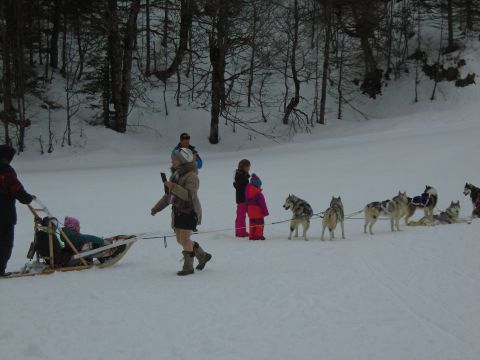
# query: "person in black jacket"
{"type": "Point", "coordinates": [11, 190]}
{"type": "Point", "coordinates": [242, 177]}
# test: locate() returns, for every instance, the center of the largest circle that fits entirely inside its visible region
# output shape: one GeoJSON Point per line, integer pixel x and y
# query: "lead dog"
{"type": "Point", "coordinates": [332, 216]}
{"type": "Point", "coordinates": [302, 213]}
{"type": "Point", "coordinates": [474, 193]}
{"type": "Point", "coordinates": [394, 209]}
{"type": "Point", "coordinates": [449, 216]}
{"type": "Point", "coordinates": [426, 201]}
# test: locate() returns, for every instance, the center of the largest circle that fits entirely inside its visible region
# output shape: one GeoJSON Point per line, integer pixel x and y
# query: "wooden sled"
{"type": "Point", "coordinates": [73, 260]}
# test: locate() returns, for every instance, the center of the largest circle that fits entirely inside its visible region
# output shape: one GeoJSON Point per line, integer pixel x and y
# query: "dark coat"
{"type": "Point", "coordinates": [240, 184]}
{"type": "Point", "coordinates": [11, 190]}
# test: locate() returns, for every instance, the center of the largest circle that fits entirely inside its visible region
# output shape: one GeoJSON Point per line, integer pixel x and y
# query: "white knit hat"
{"type": "Point", "coordinates": [184, 155]}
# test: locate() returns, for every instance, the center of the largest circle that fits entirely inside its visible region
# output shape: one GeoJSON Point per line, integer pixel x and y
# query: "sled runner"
{"type": "Point", "coordinates": [54, 251]}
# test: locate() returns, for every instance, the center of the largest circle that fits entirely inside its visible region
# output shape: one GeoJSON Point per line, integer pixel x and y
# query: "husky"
{"type": "Point", "coordinates": [474, 193]}
{"type": "Point", "coordinates": [427, 201]}
{"type": "Point", "coordinates": [394, 209]}
{"type": "Point", "coordinates": [302, 213]}
{"type": "Point", "coordinates": [449, 216]}
{"type": "Point", "coordinates": [332, 216]}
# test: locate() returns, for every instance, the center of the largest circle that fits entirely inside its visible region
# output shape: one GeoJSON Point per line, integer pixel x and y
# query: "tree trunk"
{"type": "Point", "coordinates": [362, 13]}
{"type": "Point", "coordinates": [451, 43]}
{"type": "Point", "coordinates": [18, 61]}
{"type": "Point", "coordinates": [55, 32]}
{"type": "Point", "coordinates": [469, 15]}
{"type": "Point", "coordinates": [252, 55]}
{"type": "Point", "coordinates": [64, 40]}
{"type": "Point", "coordinates": [128, 47]}
{"type": "Point", "coordinates": [295, 100]}
{"type": "Point", "coordinates": [326, 59]}
{"type": "Point", "coordinates": [218, 48]}
{"type": "Point", "coordinates": [147, 36]}
{"type": "Point", "coordinates": [115, 65]}
{"type": "Point", "coordinates": [7, 75]}
{"type": "Point", "coordinates": [81, 52]}
{"type": "Point", "coordinates": [186, 16]}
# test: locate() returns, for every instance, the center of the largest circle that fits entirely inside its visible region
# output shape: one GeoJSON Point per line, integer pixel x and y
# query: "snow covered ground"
{"type": "Point", "coordinates": [409, 295]}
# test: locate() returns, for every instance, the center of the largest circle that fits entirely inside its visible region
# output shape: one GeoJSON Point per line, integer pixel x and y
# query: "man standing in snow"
{"type": "Point", "coordinates": [185, 143]}
{"type": "Point", "coordinates": [11, 190]}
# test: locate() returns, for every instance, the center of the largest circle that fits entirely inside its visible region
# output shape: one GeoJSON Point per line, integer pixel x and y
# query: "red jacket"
{"type": "Point", "coordinates": [256, 205]}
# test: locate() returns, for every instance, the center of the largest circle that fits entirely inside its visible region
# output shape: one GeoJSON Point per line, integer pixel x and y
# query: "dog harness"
{"type": "Point", "coordinates": [443, 218]}
{"type": "Point", "coordinates": [384, 206]}
{"type": "Point", "coordinates": [422, 200]}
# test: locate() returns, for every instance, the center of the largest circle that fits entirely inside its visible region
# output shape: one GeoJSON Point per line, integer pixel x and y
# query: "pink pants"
{"type": "Point", "coordinates": [240, 223]}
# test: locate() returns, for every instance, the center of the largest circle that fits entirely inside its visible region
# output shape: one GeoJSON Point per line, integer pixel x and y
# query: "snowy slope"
{"type": "Point", "coordinates": [408, 295]}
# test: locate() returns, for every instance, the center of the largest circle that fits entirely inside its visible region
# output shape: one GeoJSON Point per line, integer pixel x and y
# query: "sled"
{"type": "Point", "coordinates": [69, 259]}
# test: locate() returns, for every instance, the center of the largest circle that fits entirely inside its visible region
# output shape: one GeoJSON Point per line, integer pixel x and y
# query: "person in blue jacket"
{"type": "Point", "coordinates": [72, 230]}
{"type": "Point", "coordinates": [185, 143]}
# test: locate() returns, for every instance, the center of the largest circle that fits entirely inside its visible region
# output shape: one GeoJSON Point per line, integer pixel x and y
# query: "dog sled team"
{"type": "Point", "coordinates": [66, 247]}
{"type": "Point", "coordinates": [399, 207]}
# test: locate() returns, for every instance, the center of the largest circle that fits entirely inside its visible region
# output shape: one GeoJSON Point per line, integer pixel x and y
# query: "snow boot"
{"type": "Point", "coordinates": [187, 263]}
{"type": "Point", "coordinates": [202, 256]}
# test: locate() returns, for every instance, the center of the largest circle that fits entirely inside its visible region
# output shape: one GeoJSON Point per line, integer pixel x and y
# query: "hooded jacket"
{"type": "Point", "coordinates": [11, 190]}
{"type": "Point", "coordinates": [256, 205]}
{"type": "Point", "coordinates": [183, 195]}
{"type": "Point", "coordinates": [240, 184]}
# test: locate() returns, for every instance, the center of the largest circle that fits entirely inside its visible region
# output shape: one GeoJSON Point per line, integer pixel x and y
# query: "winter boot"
{"type": "Point", "coordinates": [187, 263]}
{"type": "Point", "coordinates": [202, 256]}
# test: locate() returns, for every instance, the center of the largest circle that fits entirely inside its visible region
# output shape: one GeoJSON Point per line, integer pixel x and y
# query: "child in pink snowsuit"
{"type": "Point", "coordinates": [242, 178]}
{"type": "Point", "coordinates": [256, 208]}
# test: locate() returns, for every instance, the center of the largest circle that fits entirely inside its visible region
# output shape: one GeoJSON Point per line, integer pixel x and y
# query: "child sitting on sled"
{"type": "Point", "coordinates": [256, 208]}
{"type": "Point", "coordinates": [72, 230]}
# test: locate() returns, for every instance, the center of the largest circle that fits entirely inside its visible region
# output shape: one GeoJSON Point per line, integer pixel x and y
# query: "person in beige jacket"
{"type": "Point", "coordinates": [186, 209]}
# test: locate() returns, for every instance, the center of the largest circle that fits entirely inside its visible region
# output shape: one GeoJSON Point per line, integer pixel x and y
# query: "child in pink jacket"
{"type": "Point", "coordinates": [256, 208]}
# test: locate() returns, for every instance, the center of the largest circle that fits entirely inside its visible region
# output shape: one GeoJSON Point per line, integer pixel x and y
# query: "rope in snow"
{"type": "Point", "coordinates": [160, 235]}
{"type": "Point", "coordinates": [320, 215]}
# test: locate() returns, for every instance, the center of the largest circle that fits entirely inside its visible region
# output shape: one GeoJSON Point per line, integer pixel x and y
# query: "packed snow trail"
{"type": "Point", "coordinates": [404, 295]}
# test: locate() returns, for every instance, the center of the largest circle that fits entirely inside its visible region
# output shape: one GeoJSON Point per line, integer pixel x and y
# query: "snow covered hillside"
{"type": "Point", "coordinates": [409, 295]}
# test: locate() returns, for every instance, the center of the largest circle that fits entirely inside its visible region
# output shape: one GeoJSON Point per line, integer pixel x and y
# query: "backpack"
{"type": "Point", "coordinates": [41, 246]}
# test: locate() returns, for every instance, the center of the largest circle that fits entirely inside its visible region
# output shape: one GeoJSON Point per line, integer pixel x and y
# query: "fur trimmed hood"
{"type": "Point", "coordinates": [184, 169]}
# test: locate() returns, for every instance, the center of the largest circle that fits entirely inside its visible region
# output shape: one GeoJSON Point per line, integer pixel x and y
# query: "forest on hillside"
{"type": "Point", "coordinates": [219, 55]}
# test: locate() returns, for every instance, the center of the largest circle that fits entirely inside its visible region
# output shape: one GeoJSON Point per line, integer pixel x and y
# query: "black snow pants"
{"type": "Point", "coordinates": [6, 245]}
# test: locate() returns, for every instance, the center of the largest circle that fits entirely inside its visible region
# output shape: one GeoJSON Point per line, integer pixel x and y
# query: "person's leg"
{"type": "Point", "coordinates": [255, 233]}
{"type": "Point", "coordinates": [183, 238]}
{"type": "Point", "coordinates": [6, 245]}
{"type": "Point", "coordinates": [260, 228]}
{"type": "Point", "coordinates": [202, 256]}
{"type": "Point", "coordinates": [240, 223]}
{"type": "Point", "coordinates": [251, 232]}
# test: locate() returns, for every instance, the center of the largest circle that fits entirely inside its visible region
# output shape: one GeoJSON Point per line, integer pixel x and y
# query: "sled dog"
{"type": "Point", "coordinates": [449, 216]}
{"type": "Point", "coordinates": [474, 193]}
{"type": "Point", "coordinates": [332, 216]}
{"type": "Point", "coordinates": [394, 209]}
{"type": "Point", "coordinates": [302, 213]}
{"type": "Point", "coordinates": [427, 201]}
